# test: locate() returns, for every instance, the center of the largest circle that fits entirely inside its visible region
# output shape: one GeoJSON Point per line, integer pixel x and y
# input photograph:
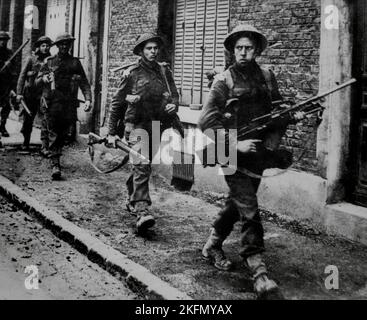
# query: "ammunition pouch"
{"type": "Point", "coordinates": [74, 83]}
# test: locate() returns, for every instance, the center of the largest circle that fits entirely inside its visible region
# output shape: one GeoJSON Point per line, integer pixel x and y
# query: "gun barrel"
{"type": "Point", "coordinates": [14, 55]}
{"type": "Point", "coordinates": [303, 104]}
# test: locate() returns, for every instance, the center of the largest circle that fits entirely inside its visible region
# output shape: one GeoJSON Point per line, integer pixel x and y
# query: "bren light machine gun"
{"type": "Point", "coordinates": [267, 127]}
{"type": "Point", "coordinates": [280, 117]}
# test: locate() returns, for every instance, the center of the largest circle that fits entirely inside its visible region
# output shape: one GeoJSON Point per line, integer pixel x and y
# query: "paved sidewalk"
{"type": "Point", "coordinates": [95, 203]}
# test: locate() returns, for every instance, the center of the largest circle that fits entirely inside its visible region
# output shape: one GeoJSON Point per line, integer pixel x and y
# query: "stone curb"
{"type": "Point", "coordinates": [139, 279]}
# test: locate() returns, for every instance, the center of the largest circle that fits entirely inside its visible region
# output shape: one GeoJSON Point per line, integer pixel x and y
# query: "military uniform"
{"type": "Point", "coordinates": [256, 94]}
{"type": "Point", "coordinates": [7, 83]}
{"type": "Point", "coordinates": [255, 88]}
{"type": "Point", "coordinates": [63, 100]}
{"type": "Point", "coordinates": [145, 80]}
{"type": "Point", "coordinates": [146, 89]}
{"type": "Point", "coordinates": [27, 88]}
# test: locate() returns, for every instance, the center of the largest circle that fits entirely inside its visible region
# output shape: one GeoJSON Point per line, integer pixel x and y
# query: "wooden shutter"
{"type": "Point", "coordinates": [201, 26]}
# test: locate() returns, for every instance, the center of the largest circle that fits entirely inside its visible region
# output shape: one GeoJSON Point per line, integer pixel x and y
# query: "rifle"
{"type": "Point", "coordinates": [51, 71]}
{"type": "Point", "coordinates": [125, 66]}
{"type": "Point", "coordinates": [13, 95]}
{"type": "Point", "coordinates": [174, 119]}
{"type": "Point", "coordinates": [7, 63]}
{"type": "Point", "coordinates": [284, 117]}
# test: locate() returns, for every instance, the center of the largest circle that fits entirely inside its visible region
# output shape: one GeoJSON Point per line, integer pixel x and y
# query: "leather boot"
{"type": "Point", "coordinates": [44, 151]}
{"type": "Point", "coordinates": [27, 140]}
{"type": "Point", "coordinates": [56, 169]}
{"type": "Point", "coordinates": [214, 253]}
{"type": "Point", "coordinates": [145, 219]}
{"type": "Point", "coordinates": [264, 287]}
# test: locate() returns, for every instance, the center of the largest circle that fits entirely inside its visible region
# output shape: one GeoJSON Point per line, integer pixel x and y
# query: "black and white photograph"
{"type": "Point", "coordinates": [183, 156]}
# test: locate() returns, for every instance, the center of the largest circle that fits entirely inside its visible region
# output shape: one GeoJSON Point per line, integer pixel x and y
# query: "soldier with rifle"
{"type": "Point", "coordinates": [253, 89]}
{"type": "Point", "coordinates": [60, 77]}
{"type": "Point", "coordinates": [7, 81]}
{"type": "Point", "coordinates": [31, 95]}
{"type": "Point", "coordinates": [147, 93]}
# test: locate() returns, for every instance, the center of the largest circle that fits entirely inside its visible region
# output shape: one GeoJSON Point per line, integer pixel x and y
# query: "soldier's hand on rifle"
{"type": "Point", "coordinates": [248, 146]}
{"type": "Point", "coordinates": [111, 141]}
{"type": "Point", "coordinates": [129, 127]}
{"type": "Point", "coordinates": [133, 98]}
{"type": "Point", "coordinates": [88, 106]}
{"type": "Point", "coordinates": [170, 108]}
{"type": "Point", "coordinates": [299, 116]}
{"type": "Point", "coordinates": [19, 98]}
{"type": "Point", "coordinates": [48, 78]}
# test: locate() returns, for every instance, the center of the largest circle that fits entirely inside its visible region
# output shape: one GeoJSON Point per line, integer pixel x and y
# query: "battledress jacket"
{"type": "Point", "coordinates": [145, 80]}
{"type": "Point", "coordinates": [26, 83]}
{"type": "Point", "coordinates": [69, 76]}
{"type": "Point", "coordinates": [255, 88]}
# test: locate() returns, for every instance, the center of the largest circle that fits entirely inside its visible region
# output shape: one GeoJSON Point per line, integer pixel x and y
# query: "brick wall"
{"type": "Point", "coordinates": [296, 25]}
{"type": "Point", "coordinates": [128, 20]}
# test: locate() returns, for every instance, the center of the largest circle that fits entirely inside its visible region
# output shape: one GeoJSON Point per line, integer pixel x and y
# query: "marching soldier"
{"type": "Point", "coordinates": [255, 88]}
{"type": "Point", "coordinates": [27, 90]}
{"type": "Point", "coordinates": [60, 77]}
{"type": "Point", "coordinates": [7, 82]}
{"type": "Point", "coordinates": [147, 93]}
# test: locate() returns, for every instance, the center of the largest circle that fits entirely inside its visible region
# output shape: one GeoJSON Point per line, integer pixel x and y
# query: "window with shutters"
{"type": "Point", "coordinates": [201, 27]}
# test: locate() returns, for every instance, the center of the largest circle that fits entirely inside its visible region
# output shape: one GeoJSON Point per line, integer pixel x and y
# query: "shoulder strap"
{"type": "Point", "coordinates": [127, 72]}
{"type": "Point", "coordinates": [163, 71]}
{"type": "Point", "coordinates": [225, 76]}
{"type": "Point", "coordinates": [229, 79]}
{"type": "Point", "coordinates": [267, 76]}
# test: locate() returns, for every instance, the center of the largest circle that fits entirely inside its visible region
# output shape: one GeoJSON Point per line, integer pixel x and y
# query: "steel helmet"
{"type": "Point", "coordinates": [63, 37]}
{"type": "Point", "coordinates": [42, 40]}
{"type": "Point", "coordinates": [4, 35]}
{"type": "Point", "coordinates": [241, 31]}
{"type": "Point", "coordinates": [143, 39]}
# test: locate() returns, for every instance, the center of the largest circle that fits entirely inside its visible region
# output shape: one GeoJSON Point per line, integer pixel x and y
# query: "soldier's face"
{"type": "Point", "coordinates": [151, 50]}
{"type": "Point", "coordinates": [64, 47]}
{"type": "Point", "coordinates": [3, 43]}
{"type": "Point", "coordinates": [45, 48]}
{"type": "Point", "coordinates": [244, 51]}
